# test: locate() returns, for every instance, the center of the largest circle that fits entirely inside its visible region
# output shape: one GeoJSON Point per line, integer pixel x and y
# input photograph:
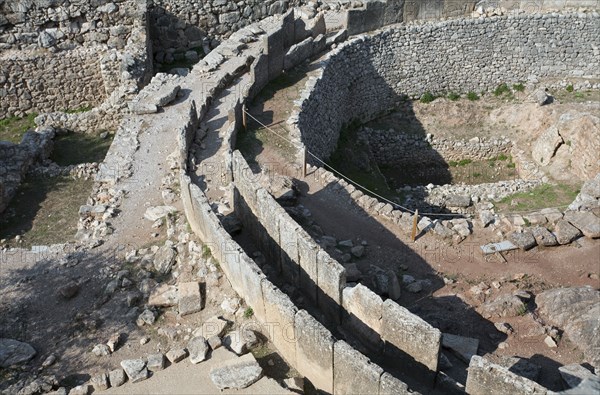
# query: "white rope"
{"type": "Point", "coordinates": [365, 188]}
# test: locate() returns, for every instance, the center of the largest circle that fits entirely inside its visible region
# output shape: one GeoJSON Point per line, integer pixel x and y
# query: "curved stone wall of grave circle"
{"type": "Point", "coordinates": [368, 75]}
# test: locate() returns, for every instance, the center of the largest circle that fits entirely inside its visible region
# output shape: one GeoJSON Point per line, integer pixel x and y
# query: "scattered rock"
{"type": "Point", "coordinates": [198, 349]}
{"type": "Point", "coordinates": [176, 354]}
{"type": "Point", "coordinates": [144, 340]}
{"type": "Point", "coordinates": [14, 352]}
{"type": "Point", "coordinates": [136, 369]}
{"type": "Point", "coordinates": [524, 241]}
{"type": "Point", "coordinates": [190, 299]}
{"type": "Point", "coordinates": [346, 243]}
{"type": "Point", "coordinates": [69, 291]}
{"type": "Point", "coordinates": [565, 232]}
{"type": "Point", "coordinates": [114, 342]}
{"type": "Point", "coordinates": [163, 295]}
{"type": "Point", "coordinates": [544, 237]}
{"type": "Point", "coordinates": [156, 362]}
{"type": "Point", "coordinates": [83, 389]}
{"type": "Point", "coordinates": [154, 213]}
{"type": "Point", "coordinates": [117, 377]}
{"type": "Point", "coordinates": [164, 259]}
{"type": "Point", "coordinates": [240, 341]}
{"type": "Point", "coordinates": [237, 373]}
{"type": "Point", "coordinates": [100, 350]}
{"type": "Point", "coordinates": [550, 342]}
{"type": "Point", "coordinates": [541, 97]}
{"type": "Point", "coordinates": [504, 327]}
{"type": "Point", "coordinates": [214, 342]}
{"type": "Point", "coordinates": [148, 317]}
{"type": "Point", "coordinates": [358, 251]}
{"type": "Point", "coordinates": [230, 305]}
{"type": "Point", "coordinates": [214, 326]}
{"type": "Point", "coordinates": [49, 361]}
{"type": "Point", "coordinates": [100, 382]}
{"type": "Point", "coordinates": [503, 306]}
{"type": "Point", "coordinates": [415, 287]}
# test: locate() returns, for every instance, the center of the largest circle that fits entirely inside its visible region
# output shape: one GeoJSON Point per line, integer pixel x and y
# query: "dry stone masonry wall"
{"type": "Point", "coordinates": [450, 56]}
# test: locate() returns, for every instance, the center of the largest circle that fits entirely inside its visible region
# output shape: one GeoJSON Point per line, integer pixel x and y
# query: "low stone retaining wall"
{"type": "Point", "coordinates": [458, 55]}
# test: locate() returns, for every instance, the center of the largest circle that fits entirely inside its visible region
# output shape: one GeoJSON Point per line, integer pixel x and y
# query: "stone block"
{"type": "Point", "coordinates": [190, 299]}
{"type": "Point", "coordinates": [314, 351]}
{"type": "Point", "coordinates": [353, 372]}
{"type": "Point", "coordinates": [363, 311]}
{"type": "Point", "coordinates": [486, 378]}
{"type": "Point", "coordinates": [280, 313]}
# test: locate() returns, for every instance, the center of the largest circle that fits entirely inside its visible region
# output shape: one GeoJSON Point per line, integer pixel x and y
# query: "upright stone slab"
{"type": "Point", "coordinates": [363, 310]}
{"type": "Point", "coordinates": [251, 290]}
{"type": "Point", "coordinates": [486, 378]}
{"type": "Point", "coordinates": [331, 281]}
{"type": "Point", "coordinates": [314, 351]}
{"type": "Point", "coordinates": [406, 333]}
{"type": "Point", "coordinates": [290, 257]}
{"type": "Point", "coordinates": [307, 252]}
{"type": "Point", "coordinates": [280, 313]}
{"type": "Point", "coordinates": [353, 373]}
{"type": "Point", "coordinates": [389, 385]}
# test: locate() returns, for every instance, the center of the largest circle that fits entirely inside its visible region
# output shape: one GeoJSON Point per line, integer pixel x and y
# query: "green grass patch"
{"type": "Point", "coordinates": [545, 195]}
{"type": "Point", "coordinates": [501, 89]}
{"type": "Point", "coordinates": [519, 87]}
{"type": "Point", "coordinates": [427, 97]}
{"type": "Point", "coordinates": [79, 110]}
{"type": "Point", "coordinates": [12, 129]}
{"type": "Point", "coordinates": [248, 313]}
{"type": "Point", "coordinates": [570, 88]}
{"type": "Point", "coordinates": [472, 96]}
{"type": "Point", "coordinates": [45, 210]}
{"type": "Point", "coordinates": [453, 96]}
{"type": "Point", "coordinates": [75, 148]}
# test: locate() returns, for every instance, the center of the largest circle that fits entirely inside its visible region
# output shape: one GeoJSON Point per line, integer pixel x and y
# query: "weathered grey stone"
{"type": "Point", "coordinates": [148, 317]}
{"type": "Point", "coordinates": [164, 259]}
{"type": "Point", "coordinates": [214, 326]}
{"type": "Point", "coordinates": [117, 377]}
{"type": "Point", "coordinates": [100, 382]}
{"type": "Point", "coordinates": [457, 201]}
{"type": "Point", "coordinates": [544, 237]}
{"type": "Point", "coordinates": [155, 362]}
{"type": "Point", "coordinates": [544, 148]}
{"type": "Point", "coordinates": [586, 222]}
{"type": "Point", "coordinates": [524, 240]}
{"type": "Point", "coordinates": [136, 369]}
{"type": "Point", "coordinates": [565, 232]}
{"type": "Point", "coordinates": [463, 347]}
{"type": "Point", "coordinates": [353, 372]}
{"type": "Point", "coordinates": [487, 378]}
{"type": "Point", "coordinates": [236, 373]}
{"type": "Point", "coordinates": [163, 295]}
{"type": "Point", "coordinates": [575, 374]}
{"type": "Point", "coordinates": [314, 351]}
{"type": "Point", "coordinates": [176, 355]}
{"type": "Point", "coordinates": [190, 299]}
{"type": "Point", "coordinates": [14, 352]}
{"type": "Point", "coordinates": [503, 306]}
{"type": "Point", "coordinates": [198, 349]}
{"type": "Point", "coordinates": [389, 385]}
{"type": "Point", "coordinates": [587, 386]}
{"type": "Point", "coordinates": [240, 341]}
{"type": "Point", "coordinates": [101, 350]}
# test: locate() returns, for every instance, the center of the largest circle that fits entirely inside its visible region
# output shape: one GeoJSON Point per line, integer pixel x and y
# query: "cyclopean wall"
{"type": "Point", "coordinates": [58, 56]}
{"type": "Point", "coordinates": [367, 76]}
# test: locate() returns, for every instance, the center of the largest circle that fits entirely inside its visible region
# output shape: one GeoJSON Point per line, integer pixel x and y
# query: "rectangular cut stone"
{"type": "Point", "coordinates": [251, 276]}
{"type": "Point", "coordinates": [280, 313]}
{"type": "Point", "coordinates": [353, 372]}
{"type": "Point", "coordinates": [289, 251]}
{"type": "Point", "coordinates": [190, 299]}
{"type": "Point", "coordinates": [389, 385]}
{"type": "Point", "coordinates": [405, 332]}
{"type": "Point", "coordinates": [331, 282]}
{"type": "Point", "coordinates": [363, 311]}
{"type": "Point", "coordinates": [307, 252]}
{"type": "Point", "coordinates": [314, 351]}
{"type": "Point", "coordinates": [486, 378]}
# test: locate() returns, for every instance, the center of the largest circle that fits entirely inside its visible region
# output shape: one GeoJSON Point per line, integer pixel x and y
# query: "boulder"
{"type": "Point", "coordinates": [237, 373]}
{"type": "Point", "coordinates": [158, 212]}
{"type": "Point", "coordinates": [14, 352]}
{"type": "Point", "coordinates": [117, 377]}
{"type": "Point", "coordinates": [100, 382]}
{"type": "Point", "coordinates": [458, 201]}
{"type": "Point", "coordinates": [565, 232]}
{"type": "Point", "coordinates": [163, 295]}
{"type": "Point", "coordinates": [586, 222]}
{"type": "Point", "coordinates": [544, 237]}
{"type": "Point", "coordinates": [541, 97]}
{"type": "Point", "coordinates": [240, 341]}
{"type": "Point", "coordinates": [544, 148]}
{"type": "Point", "coordinates": [524, 240]}
{"type": "Point", "coordinates": [156, 362]}
{"type": "Point", "coordinates": [136, 369]}
{"type": "Point", "coordinates": [576, 311]}
{"type": "Point", "coordinates": [164, 259]}
{"type": "Point", "coordinates": [176, 355]}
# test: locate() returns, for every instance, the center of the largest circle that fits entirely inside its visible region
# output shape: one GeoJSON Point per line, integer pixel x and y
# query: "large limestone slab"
{"type": "Point", "coordinates": [405, 332]}
{"type": "Point", "coordinates": [353, 372]}
{"type": "Point", "coordinates": [190, 299]}
{"type": "Point", "coordinates": [586, 222]}
{"type": "Point", "coordinates": [280, 313]}
{"type": "Point", "coordinates": [314, 351]}
{"type": "Point", "coordinates": [486, 378]}
{"type": "Point", "coordinates": [464, 347]}
{"type": "Point", "coordinates": [236, 373]}
{"type": "Point", "coordinates": [363, 310]}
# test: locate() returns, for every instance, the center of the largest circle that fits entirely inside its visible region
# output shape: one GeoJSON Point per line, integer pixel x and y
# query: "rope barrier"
{"type": "Point", "coordinates": [348, 179]}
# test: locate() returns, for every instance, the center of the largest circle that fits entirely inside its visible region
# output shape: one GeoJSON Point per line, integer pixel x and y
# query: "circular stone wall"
{"type": "Point", "coordinates": [369, 75]}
